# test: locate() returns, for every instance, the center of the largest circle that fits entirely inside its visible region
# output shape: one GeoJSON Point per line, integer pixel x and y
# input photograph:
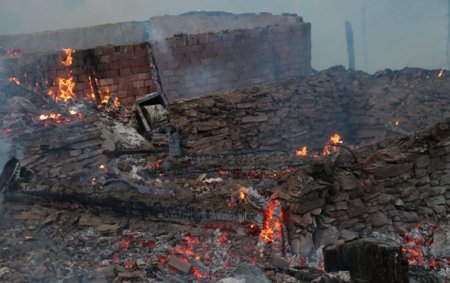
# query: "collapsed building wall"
{"type": "Point", "coordinates": [393, 186]}
{"type": "Point", "coordinates": [360, 107]}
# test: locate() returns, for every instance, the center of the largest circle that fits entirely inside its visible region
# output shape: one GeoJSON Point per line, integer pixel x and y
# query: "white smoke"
{"type": "Point", "coordinates": [400, 33]}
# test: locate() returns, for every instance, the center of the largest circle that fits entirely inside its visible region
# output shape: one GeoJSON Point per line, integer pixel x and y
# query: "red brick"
{"type": "Point", "coordinates": [138, 84]}
{"type": "Point", "coordinates": [124, 71]}
{"type": "Point", "coordinates": [149, 83]}
{"type": "Point", "coordinates": [104, 59]}
{"type": "Point", "coordinates": [125, 64]}
{"type": "Point", "coordinates": [103, 67]}
{"type": "Point", "coordinates": [140, 69]}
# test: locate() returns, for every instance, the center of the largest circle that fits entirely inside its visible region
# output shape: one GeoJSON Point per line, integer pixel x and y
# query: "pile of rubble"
{"type": "Point", "coordinates": [104, 190]}
{"type": "Point", "coordinates": [301, 112]}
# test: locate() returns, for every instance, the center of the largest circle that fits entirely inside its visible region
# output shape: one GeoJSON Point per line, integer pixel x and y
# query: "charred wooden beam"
{"type": "Point", "coordinates": [94, 85]}
{"type": "Point", "coordinates": [159, 204]}
{"type": "Point", "coordinates": [369, 261]}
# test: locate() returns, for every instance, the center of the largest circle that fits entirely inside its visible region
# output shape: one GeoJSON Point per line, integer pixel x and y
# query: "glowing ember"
{"type": "Point", "coordinates": [6, 132]}
{"type": "Point", "coordinates": [302, 151]}
{"type": "Point", "coordinates": [243, 197]}
{"type": "Point", "coordinates": [14, 80]}
{"type": "Point", "coordinates": [441, 73]}
{"type": "Point", "coordinates": [196, 272]}
{"type": "Point", "coordinates": [14, 52]}
{"type": "Point", "coordinates": [49, 116]}
{"type": "Point", "coordinates": [116, 102]}
{"type": "Point", "coordinates": [56, 118]}
{"type": "Point", "coordinates": [102, 166]}
{"type": "Point", "coordinates": [417, 245]}
{"type": "Point", "coordinates": [68, 61]}
{"type": "Point", "coordinates": [397, 123]}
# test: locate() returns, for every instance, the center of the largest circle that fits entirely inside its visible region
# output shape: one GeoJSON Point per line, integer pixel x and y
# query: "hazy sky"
{"type": "Point", "coordinates": [400, 32]}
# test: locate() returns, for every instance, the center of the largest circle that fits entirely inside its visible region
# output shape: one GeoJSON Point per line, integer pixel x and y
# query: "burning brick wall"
{"type": "Point", "coordinates": [124, 71]}
{"type": "Point", "coordinates": [274, 48]}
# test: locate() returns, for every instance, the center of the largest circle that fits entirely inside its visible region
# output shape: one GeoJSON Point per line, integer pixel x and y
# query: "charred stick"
{"type": "Point", "coordinates": [98, 99]}
{"type": "Point", "coordinates": [347, 148]}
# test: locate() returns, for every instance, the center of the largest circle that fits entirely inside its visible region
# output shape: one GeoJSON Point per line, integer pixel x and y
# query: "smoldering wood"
{"type": "Point", "coordinates": [179, 208]}
{"type": "Point", "coordinates": [93, 81]}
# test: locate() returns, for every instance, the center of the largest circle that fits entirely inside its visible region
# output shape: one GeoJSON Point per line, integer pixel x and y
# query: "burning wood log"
{"type": "Point", "coordinates": [93, 81]}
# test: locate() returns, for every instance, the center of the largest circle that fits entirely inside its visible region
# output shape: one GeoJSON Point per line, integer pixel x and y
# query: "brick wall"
{"type": "Point", "coordinates": [203, 22]}
{"type": "Point", "coordinates": [121, 70]}
{"type": "Point", "coordinates": [195, 65]}
{"type": "Point", "coordinates": [157, 28]}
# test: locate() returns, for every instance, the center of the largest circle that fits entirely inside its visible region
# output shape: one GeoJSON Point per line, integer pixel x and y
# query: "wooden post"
{"type": "Point", "coordinates": [350, 45]}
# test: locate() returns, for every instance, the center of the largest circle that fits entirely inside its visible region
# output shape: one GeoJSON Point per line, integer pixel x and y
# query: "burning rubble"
{"type": "Point", "coordinates": [125, 206]}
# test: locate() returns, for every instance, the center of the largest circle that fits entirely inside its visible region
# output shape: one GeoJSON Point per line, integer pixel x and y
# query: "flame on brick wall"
{"type": "Point", "coordinates": [65, 85]}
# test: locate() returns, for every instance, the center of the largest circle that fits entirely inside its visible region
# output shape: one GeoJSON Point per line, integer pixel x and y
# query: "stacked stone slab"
{"type": "Point", "coordinates": [394, 185]}
{"type": "Point", "coordinates": [308, 111]}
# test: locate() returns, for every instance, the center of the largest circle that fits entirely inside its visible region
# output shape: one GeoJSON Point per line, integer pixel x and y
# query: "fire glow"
{"type": "Point", "coordinates": [56, 118]}
{"type": "Point", "coordinates": [417, 247]}
{"type": "Point", "coordinates": [272, 225]}
{"type": "Point", "coordinates": [104, 97]}
{"type": "Point", "coordinates": [14, 80]}
{"type": "Point", "coordinates": [68, 61]}
{"type": "Point", "coordinates": [329, 148]}
{"type": "Point", "coordinates": [302, 151]}
{"type": "Point", "coordinates": [64, 84]}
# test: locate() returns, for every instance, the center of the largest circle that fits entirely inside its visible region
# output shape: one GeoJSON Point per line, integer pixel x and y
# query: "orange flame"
{"type": "Point", "coordinates": [272, 225]}
{"type": "Point", "coordinates": [49, 116]}
{"type": "Point", "coordinates": [65, 84]}
{"type": "Point", "coordinates": [302, 151]}
{"type": "Point", "coordinates": [116, 102]}
{"type": "Point", "coordinates": [397, 123]}
{"type": "Point", "coordinates": [243, 197]}
{"type": "Point", "coordinates": [105, 98]}
{"type": "Point", "coordinates": [441, 73]}
{"type": "Point", "coordinates": [335, 139]}
{"type": "Point", "coordinates": [65, 89]}
{"type": "Point", "coordinates": [328, 149]}
{"type": "Point", "coordinates": [68, 61]}
{"type": "Point", "coordinates": [14, 80]}
{"type": "Point", "coordinates": [196, 272]}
